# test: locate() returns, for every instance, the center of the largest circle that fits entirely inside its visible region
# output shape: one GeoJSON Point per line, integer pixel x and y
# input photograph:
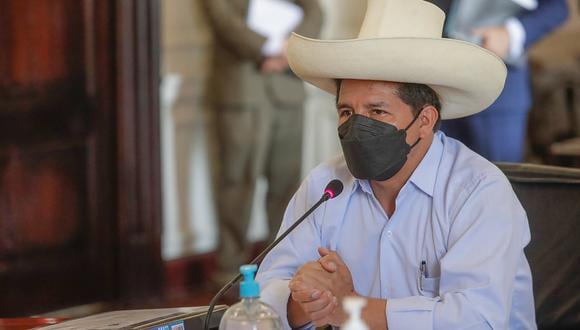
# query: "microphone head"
{"type": "Point", "coordinates": [333, 188]}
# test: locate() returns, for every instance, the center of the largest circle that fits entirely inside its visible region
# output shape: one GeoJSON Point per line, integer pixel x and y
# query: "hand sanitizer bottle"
{"type": "Point", "coordinates": [353, 306]}
{"type": "Point", "coordinates": [250, 312]}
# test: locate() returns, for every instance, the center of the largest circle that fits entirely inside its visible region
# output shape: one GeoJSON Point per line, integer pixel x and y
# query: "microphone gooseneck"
{"type": "Point", "coordinates": [332, 189]}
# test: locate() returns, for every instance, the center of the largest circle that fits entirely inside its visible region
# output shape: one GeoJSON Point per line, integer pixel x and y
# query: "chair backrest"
{"type": "Point", "coordinates": [551, 197]}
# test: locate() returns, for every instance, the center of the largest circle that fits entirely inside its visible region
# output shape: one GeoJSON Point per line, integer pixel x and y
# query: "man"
{"type": "Point", "coordinates": [428, 231]}
{"type": "Point", "coordinates": [258, 121]}
{"type": "Point", "coordinates": [508, 28]}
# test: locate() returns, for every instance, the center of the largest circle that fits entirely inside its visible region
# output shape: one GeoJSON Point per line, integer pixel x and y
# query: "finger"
{"type": "Point", "coordinates": [305, 289]}
{"type": "Point", "coordinates": [309, 267]}
{"type": "Point", "coordinates": [320, 282]}
{"type": "Point", "coordinates": [303, 283]}
{"type": "Point", "coordinates": [306, 296]}
{"type": "Point", "coordinates": [325, 312]}
{"type": "Point", "coordinates": [315, 277]}
{"type": "Point", "coordinates": [328, 265]}
{"type": "Point", "coordinates": [317, 304]}
{"type": "Point", "coordinates": [297, 284]}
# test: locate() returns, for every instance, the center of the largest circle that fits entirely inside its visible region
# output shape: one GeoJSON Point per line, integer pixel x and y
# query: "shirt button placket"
{"type": "Point", "coordinates": [386, 255]}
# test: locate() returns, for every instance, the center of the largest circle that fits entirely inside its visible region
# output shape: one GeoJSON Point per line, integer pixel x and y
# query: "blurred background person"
{"type": "Point", "coordinates": [258, 114]}
{"type": "Point", "coordinates": [342, 20]}
{"type": "Point", "coordinates": [508, 28]}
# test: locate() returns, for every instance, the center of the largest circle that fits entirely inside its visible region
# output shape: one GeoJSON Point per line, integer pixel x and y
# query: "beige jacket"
{"type": "Point", "coordinates": [238, 55]}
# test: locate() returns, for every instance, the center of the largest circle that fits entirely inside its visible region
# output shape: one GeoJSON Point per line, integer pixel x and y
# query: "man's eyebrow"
{"type": "Point", "coordinates": [377, 104]}
{"type": "Point", "coordinates": [343, 105]}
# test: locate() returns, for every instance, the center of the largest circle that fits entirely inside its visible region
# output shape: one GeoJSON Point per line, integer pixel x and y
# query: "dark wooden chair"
{"type": "Point", "coordinates": [551, 197]}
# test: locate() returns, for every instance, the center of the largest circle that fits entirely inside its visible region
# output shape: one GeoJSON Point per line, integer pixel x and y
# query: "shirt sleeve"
{"type": "Point", "coordinates": [517, 36]}
{"type": "Point", "coordinates": [537, 23]}
{"type": "Point", "coordinates": [485, 248]}
{"type": "Point", "coordinates": [312, 21]}
{"type": "Point", "coordinates": [230, 28]}
{"type": "Point", "coordinates": [298, 248]}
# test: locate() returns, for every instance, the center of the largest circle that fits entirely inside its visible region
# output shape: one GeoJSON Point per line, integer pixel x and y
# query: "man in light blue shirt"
{"type": "Point", "coordinates": [430, 233]}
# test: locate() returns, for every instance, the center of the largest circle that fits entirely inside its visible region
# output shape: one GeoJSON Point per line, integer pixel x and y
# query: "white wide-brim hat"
{"type": "Point", "coordinates": [401, 41]}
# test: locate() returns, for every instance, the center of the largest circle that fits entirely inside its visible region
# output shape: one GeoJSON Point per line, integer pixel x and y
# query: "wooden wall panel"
{"type": "Point", "coordinates": [43, 46]}
{"type": "Point", "coordinates": [43, 204]}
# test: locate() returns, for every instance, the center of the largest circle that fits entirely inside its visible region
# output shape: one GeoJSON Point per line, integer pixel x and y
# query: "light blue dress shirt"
{"type": "Point", "coordinates": [458, 213]}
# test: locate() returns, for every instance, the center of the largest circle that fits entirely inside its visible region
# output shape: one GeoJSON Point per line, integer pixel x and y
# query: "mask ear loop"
{"type": "Point", "coordinates": [414, 119]}
{"type": "Point", "coordinates": [411, 124]}
{"type": "Point", "coordinates": [414, 144]}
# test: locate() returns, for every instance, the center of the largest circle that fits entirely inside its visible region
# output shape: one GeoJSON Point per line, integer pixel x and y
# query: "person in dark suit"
{"type": "Point", "coordinates": [508, 28]}
{"type": "Point", "coordinates": [258, 105]}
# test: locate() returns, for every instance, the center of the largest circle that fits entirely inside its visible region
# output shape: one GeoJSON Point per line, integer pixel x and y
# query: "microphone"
{"type": "Point", "coordinates": [332, 189]}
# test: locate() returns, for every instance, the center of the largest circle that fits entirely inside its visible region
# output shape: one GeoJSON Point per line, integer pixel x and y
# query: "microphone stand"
{"type": "Point", "coordinates": [261, 256]}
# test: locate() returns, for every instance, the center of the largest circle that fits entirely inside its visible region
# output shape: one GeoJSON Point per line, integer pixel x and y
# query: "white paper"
{"type": "Point", "coordinates": [527, 4]}
{"type": "Point", "coordinates": [274, 19]}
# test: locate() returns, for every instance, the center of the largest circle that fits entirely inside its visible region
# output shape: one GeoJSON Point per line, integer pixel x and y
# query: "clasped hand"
{"type": "Point", "coordinates": [319, 287]}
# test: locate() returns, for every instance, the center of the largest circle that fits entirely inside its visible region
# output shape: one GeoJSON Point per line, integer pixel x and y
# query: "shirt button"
{"type": "Point", "coordinates": [390, 234]}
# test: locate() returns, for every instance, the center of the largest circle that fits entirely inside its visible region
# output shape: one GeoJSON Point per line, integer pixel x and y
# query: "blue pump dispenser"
{"type": "Point", "coordinates": [249, 288]}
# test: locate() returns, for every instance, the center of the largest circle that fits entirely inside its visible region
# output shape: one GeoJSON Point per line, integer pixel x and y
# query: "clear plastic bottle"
{"type": "Point", "coordinates": [353, 306]}
{"type": "Point", "coordinates": [250, 312]}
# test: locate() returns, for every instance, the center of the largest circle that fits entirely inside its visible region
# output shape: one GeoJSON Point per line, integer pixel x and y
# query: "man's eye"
{"type": "Point", "coordinates": [379, 111]}
{"type": "Point", "coordinates": [345, 113]}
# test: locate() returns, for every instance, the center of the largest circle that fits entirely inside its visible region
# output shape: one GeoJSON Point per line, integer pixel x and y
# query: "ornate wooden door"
{"type": "Point", "coordinates": [78, 165]}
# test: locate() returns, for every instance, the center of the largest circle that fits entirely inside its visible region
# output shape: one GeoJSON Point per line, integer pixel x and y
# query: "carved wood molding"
{"type": "Point", "coordinates": [133, 103]}
{"type": "Point", "coordinates": [139, 148]}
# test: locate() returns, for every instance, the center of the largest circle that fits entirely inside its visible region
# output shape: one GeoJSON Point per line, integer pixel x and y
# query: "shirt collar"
{"type": "Point", "coordinates": [424, 175]}
{"type": "Point", "coordinates": [364, 185]}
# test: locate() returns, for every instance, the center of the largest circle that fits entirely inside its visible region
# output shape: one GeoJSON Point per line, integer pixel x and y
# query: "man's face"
{"type": "Point", "coordinates": [377, 100]}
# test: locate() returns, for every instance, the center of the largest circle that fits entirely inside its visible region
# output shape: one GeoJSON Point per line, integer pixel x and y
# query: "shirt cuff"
{"type": "Point", "coordinates": [307, 326]}
{"type": "Point", "coordinates": [410, 313]}
{"type": "Point", "coordinates": [272, 47]}
{"type": "Point", "coordinates": [276, 293]}
{"type": "Point", "coordinates": [517, 35]}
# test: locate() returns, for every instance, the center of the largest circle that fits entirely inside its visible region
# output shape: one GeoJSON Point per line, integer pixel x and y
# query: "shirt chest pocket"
{"type": "Point", "coordinates": [428, 286]}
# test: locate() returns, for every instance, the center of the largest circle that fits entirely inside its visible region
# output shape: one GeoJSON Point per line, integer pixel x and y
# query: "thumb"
{"type": "Point", "coordinates": [323, 252]}
{"type": "Point", "coordinates": [327, 263]}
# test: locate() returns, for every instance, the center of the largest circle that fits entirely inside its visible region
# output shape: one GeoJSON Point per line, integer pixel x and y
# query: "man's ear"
{"type": "Point", "coordinates": [427, 120]}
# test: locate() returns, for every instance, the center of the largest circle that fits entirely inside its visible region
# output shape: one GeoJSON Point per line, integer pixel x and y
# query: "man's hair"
{"type": "Point", "coordinates": [417, 96]}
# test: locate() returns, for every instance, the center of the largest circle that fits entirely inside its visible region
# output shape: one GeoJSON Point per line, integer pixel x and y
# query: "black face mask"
{"type": "Point", "coordinates": [374, 150]}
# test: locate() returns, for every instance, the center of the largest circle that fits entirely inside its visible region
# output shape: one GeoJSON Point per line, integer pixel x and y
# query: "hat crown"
{"type": "Point", "coordinates": [402, 19]}
{"type": "Point", "coordinates": [401, 40]}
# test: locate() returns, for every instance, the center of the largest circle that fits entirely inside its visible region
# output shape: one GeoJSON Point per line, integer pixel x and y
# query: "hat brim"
{"type": "Point", "coordinates": [466, 77]}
